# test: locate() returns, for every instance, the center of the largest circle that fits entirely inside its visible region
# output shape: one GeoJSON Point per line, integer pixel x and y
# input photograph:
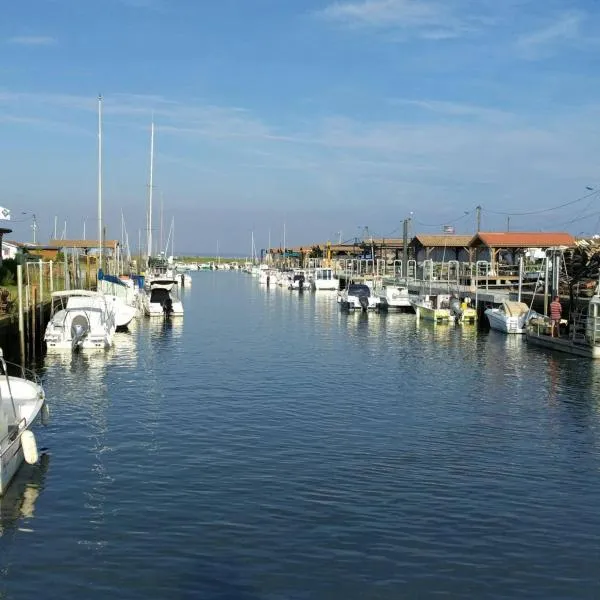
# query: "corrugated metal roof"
{"type": "Point", "coordinates": [522, 239]}
{"type": "Point", "coordinates": [442, 241]}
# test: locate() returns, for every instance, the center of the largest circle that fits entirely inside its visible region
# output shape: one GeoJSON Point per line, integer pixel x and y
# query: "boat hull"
{"type": "Point", "coordinates": [503, 323]}
{"type": "Point", "coordinates": [326, 285]}
{"type": "Point", "coordinates": [87, 344]}
{"type": "Point", "coordinates": [10, 461]}
{"type": "Point", "coordinates": [11, 453]}
{"type": "Point", "coordinates": [435, 315]}
{"type": "Point", "coordinates": [565, 345]}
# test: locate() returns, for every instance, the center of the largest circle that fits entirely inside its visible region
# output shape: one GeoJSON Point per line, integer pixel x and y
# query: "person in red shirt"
{"type": "Point", "coordinates": [555, 315]}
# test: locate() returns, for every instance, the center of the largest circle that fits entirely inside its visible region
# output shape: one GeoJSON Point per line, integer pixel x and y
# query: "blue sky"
{"type": "Point", "coordinates": [328, 116]}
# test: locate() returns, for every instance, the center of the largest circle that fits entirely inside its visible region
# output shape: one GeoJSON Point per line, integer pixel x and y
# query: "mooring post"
{"type": "Point", "coordinates": [21, 320]}
{"type": "Point", "coordinates": [51, 277]}
{"type": "Point", "coordinates": [41, 293]}
{"type": "Point", "coordinates": [67, 286]}
{"type": "Point", "coordinates": [33, 331]}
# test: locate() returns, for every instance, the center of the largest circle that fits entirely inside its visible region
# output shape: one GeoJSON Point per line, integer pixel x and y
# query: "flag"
{"type": "Point", "coordinates": [5, 214]}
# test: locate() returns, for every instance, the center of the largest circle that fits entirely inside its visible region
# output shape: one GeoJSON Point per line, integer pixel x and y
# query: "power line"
{"type": "Point", "coordinates": [449, 222]}
{"type": "Point", "coordinates": [543, 210]}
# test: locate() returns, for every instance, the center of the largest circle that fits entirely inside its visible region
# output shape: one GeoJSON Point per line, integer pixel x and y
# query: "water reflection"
{"type": "Point", "coordinates": [160, 328]}
{"type": "Point", "coordinates": [90, 365]}
{"type": "Point", "coordinates": [18, 503]}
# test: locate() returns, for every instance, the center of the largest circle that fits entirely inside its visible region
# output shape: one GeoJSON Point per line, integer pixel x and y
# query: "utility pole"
{"type": "Point", "coordinates": [508, 223]}
{"type": "Point", "coordinates": [478, 209]}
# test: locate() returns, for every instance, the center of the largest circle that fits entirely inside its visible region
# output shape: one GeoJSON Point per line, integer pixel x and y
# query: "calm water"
{"type": "Point", "coordinates": [269, 447]}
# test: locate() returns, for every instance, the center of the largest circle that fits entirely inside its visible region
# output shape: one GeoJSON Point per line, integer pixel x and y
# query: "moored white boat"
{"type": "Point", "coordinates": [510, 317]}
{"type": "Point", "coordinates": [358, 296]}
{"type": "Point", "coordinates": [161, 300]}
{"type": "Point", "coordinates": [21, 401]}
{"type": "Point", "coordinates": [324, 279]}
{"type": "Point", "coordinates": [298, 280]}
{"type": "Point", "coordinates": [80, 319]}
{"type": "Point", "coordinates": [395, 297]}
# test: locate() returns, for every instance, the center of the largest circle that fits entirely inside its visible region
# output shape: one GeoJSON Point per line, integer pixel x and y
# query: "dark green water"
{"type": "Point", "coordinates": [270, 447]}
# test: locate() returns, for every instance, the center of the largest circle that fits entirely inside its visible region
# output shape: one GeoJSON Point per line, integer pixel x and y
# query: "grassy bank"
{"type": "Point", "coordinates": [208, 259]}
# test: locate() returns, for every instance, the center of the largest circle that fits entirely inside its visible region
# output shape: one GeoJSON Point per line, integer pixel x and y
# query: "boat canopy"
{"type": "Point", "coordinates": [358, 289]}
{"type": "Point", "coordinates": [515, 309]}
{"type": "Point", "coordinates": [111, 278]}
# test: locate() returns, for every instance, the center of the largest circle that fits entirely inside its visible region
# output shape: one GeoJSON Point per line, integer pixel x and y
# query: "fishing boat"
{"type": "Point", "coordinates": [324, 279]}
{"type": "Point", "coordinates": [462, 312]}
{"type": "Point", "coordinates": [582, 339]}
{"type": "Point", "coordinates": [80, 320]}
{"type": "Point", "coordinates": [21, 401]}
{"type": "Point", "coordinates": [433, 307]}
{"type": "Point", "coordinates": [161, 300]}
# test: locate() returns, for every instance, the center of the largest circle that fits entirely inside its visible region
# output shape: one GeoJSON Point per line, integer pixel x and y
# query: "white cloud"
{"type": "Point", "coordinates": [428, 19]}
{"type": "Point", "coordinates": [466, 153]}
{"type": "Point", "coordinates": [549, 39]}
{"type": "Point", "coordinates": [32, 40]}
{"type": "Point", "coordinates": [456, 109]}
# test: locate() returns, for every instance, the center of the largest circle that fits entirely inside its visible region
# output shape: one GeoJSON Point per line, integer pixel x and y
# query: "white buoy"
{"type": "Point", "coordinates": [45, 414]}
{"type": "Point", "coordinates": [29, 445]}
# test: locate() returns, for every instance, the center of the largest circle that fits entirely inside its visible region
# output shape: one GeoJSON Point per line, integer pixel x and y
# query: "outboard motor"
{"type": "Point", "coordinates": [301, 282]}
{"type": "Point", "coordinates": [364, 302]}
{"type": "Point", "coordinates": [167, 307]}
{"type": "Point", "coordinates": [80, 327]}
{"type": "Point", "coordinates": [455, 308]}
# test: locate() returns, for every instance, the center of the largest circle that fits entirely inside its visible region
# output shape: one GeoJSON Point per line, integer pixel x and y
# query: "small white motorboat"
{"type": "Point", "coordinates": [358, 296]}
{"type": "Point", "coordinates": [394, 297]}
{"type": "Point", "coordinates": [21, 401]}
{"type": "Point", "coordinates": [80, 320]}
{"type": "Point", "coordinates": [510, 317]}
{"type": "Point", "coordinates": [161, 300]}
{"type": "Point", "coordinates": [298, 281]}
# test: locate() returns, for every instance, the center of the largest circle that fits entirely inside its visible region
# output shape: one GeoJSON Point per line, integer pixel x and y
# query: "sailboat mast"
{"type": "Point", "coordinates": [161, 224]}
{"type": "Point", "coordinates": [150, 191]}
{"type": "Point", "coordinates": [100, 244]}
{"type": "Point", "coordinates": [173, 238]}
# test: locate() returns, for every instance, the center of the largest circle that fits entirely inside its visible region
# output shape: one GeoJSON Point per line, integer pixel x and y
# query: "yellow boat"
{"type": "Point", "coordinates": [432, 308]}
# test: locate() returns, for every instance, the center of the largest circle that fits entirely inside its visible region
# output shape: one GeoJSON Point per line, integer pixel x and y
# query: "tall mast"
{"type": "Point", "coordinates": [100, 244]}
{"type": "Point", "coordinates": [150, 189]}
{"type": "Point", "coordinates": [161, 249]}
{"type": "Point", "coordinates": [173, 238]}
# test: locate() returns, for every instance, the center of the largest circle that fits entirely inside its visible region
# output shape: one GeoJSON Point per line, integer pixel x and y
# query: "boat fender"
{"type": "Point", "coordinates": [45, 414]}
{"type": "Point", "coordinates": [28, 443]}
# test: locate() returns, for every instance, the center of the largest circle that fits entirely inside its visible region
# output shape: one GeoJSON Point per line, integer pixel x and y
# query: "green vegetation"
{"type": "Point", "coordinates": [207, 259]}
{"type": "Point", "coordinates": [8, 272]}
